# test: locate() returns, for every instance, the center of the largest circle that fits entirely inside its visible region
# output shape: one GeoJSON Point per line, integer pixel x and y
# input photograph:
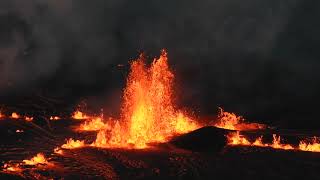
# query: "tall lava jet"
{"type": "Point", "coordinates": [148, 113]}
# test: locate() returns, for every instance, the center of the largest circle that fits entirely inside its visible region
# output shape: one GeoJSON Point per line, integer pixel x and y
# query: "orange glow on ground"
{"type": "Point", "coordinates": [148, 113]}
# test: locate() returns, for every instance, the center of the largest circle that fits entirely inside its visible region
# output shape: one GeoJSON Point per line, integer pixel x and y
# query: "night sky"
{"type": "Point", "coordinates": [257, 58]}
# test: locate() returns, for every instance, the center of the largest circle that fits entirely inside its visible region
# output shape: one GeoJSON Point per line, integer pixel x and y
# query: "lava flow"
{"type": "Point", "coordinates": [231, 121]}
{"type": "Point", "coordinates": [14, 115]}
{"type": "Point", "coordinates": [312, 147]}
{"type": "Point", "coordinates": [54, 118]}
{"type": "Point", "coordinates": [79, 115]}
{"type": "Point", "coordinates": [148, 113]}
{"type": "Point", "coordinates": [237, 139]}
{"type": "Point", "coordinates": [94, 124]}
{"type": "Point", "coordinates": [38, 159]}
{"type": "Point", "coordinates": [72, 144]}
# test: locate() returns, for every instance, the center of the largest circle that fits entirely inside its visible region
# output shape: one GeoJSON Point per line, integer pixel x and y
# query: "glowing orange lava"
{"type": "Point", "coordinates": [73, 144]}
{"type": "Point", "coordinates": [11, 168]}
{"type": "Point", "coordinates": [79, 115]}
{"type": "Point", "coordinates": [14, 115]}
{"type": "Point", "coordinates": [231, 121]}
{"type": "Point", "coordinates": [38, 159]}
{"type": "Point", "coordinates": [94, 124]}
{"type": "Point", "coordinates": [314, 146]}
{"type": "Point", "coordinates": [237, 139]}
{"type": "Point", "coordinates": [57, 150]}
{"type": "Point", "coordinates": [148, 113]}
{"type": "Point", "coordinates": [53, 118]}
{"type": "Point", "coordinates": [277, 144]}
{"type": "Point", "coordinates": [28, 119]}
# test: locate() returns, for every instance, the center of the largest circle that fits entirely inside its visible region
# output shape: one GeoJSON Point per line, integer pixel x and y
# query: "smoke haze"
{"type": "Point", "coordinates": [258, 58]}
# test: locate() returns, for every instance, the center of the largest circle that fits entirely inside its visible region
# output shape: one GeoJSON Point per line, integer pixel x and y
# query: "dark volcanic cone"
{"type": "Point", "coordinates": [204, 139]}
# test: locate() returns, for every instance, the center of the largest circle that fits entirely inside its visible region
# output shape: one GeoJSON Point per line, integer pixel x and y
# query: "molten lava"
{"type": "Point", "coordinates": [38, 159]}
{"type": "Point", "coordinates": [231, 121]}
{"type": "Point", "coordinates": [277, 144]}
{"type": "Point", "coordinates": [54, 118]}
{"type": "Point", "coordinates": [148, 113]}
{"type": "Point", "coordinates": [29, 119]}
{"type": "Point", "coordinates": [57, 150]}
{"type": "Point", "coordinates": [237, 139]}
{"type": "Point", "coordinates": [73, 144]}
{"type": "Point", "coordinates": [14, 115]}
{"type": "Point", "coordinates": [94, 124]}
{"type": "Point", "coordinates": [314, 146]}
{"type": "Point", "coordinates": [79, 115]}
{"type": "Point", "coordinates": [11, 168]}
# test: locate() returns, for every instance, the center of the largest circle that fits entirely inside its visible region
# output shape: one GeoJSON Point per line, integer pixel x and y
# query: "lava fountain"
{"type": "Point", "coordinates": [231, 121]}
{"type": "Point", "coordinates": [148, 113]}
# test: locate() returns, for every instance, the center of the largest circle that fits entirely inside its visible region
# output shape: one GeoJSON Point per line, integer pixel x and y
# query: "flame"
{"type": "Point", "coordinates": [79, 115]}
{"type": "Point", "coordinates": [73, 144]}
{"type": "Point", "coordinates": [233, 122]}
{"type": "Point", "coordinates": [38, 159]}
{"type": "Point", "coordinates": [237, 139]}
{"type": "Point", "coordinates": [148, 114]}
{"type": "Point", "coordinates": [53, 118]}
{"type": "Point", "coordinates": [312, 147]}
{"type": "Point", "coordinates": [14, 115]}
{"type": "Point", "coordinates": [94, 124]}
{"type": "Point", "coordinates": [28, 119]}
